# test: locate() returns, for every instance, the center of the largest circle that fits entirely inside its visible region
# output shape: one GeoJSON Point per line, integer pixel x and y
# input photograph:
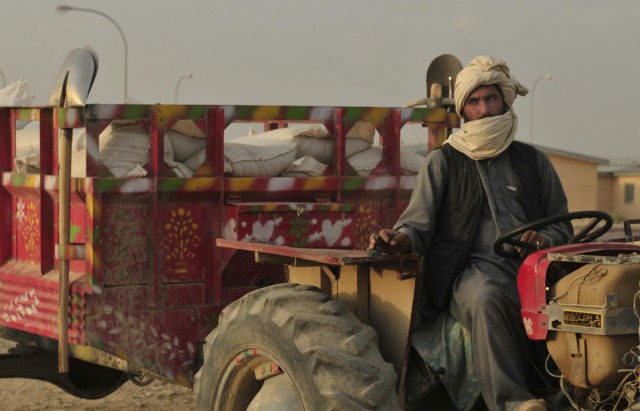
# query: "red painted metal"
{"type": "Point", "coordinates": [29, 301]}
{"type": "Point", "coordinates": [48, 162]}
{"type": "Point", "coordinates": [532, 282]}
{"type": "Point", "coordinates": [150, 280]}
{"type": "Point", "coordinates": [7, 130]}
{"type": "Point", "coordinates": [295, 224]}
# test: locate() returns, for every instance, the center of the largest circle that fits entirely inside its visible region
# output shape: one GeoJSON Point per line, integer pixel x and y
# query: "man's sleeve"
{"type": "Point", "coordinates": [554, 201]}
{"type": "Point", "coordinates": [419, 218]}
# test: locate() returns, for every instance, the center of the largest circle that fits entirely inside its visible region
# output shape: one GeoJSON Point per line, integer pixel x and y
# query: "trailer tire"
{"type": "Point", "coordinates": [331, 359]}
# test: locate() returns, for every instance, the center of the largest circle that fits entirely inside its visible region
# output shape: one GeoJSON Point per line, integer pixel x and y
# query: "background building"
{"type": "Point", "coordinates": [579, 176]}
{"type": "Point", "coordinates": [619, 191]}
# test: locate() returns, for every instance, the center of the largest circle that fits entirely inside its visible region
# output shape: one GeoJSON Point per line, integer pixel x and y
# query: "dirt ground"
{"type": "Point", "coordinates": [32, 395]}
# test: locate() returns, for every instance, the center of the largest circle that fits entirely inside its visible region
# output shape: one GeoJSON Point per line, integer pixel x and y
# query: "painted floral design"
{"type": "Point", "coordinates": [180, 241]}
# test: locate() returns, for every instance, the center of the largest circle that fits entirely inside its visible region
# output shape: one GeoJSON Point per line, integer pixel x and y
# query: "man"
{"type": "Point", "coordinates": [480, 184]}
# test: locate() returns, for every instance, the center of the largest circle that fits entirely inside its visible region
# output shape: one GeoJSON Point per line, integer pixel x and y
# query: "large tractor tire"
{"type": "Point", "coordinates": [330, 359]}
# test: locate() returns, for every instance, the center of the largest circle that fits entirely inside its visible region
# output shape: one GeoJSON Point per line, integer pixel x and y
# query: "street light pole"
{"type": "Point", "coordinates": [184, 76]}
{"type": "Point", "coordinates": [63, 9]}
{"type": "Point", "coordinates": [535, 83]}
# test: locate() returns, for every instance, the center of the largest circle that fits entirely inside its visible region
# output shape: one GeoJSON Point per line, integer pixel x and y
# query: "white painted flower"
{"type": "Point", "coordinates": [20, 215]}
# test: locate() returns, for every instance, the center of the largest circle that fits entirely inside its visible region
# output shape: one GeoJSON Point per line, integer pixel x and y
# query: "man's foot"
{"type": "Point", "coordinates": [533, 405]}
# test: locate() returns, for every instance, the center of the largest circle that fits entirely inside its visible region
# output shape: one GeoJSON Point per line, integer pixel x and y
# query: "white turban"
{"type": "Point", "coordinates": [485, 71]}
{"type": "Point", "coordinates": [487, 137]}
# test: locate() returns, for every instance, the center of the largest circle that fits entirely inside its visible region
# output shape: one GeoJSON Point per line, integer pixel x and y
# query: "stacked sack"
{"type": "Point", "coordinates": [287, 152]}
{"type": "Point", "coordinates": [125, 148]}
{"type": "Point", "coordinates": [365, 161]}
{"type": "Point", "coordinates": [290, 152]}
{"type": "Point", "coordinates": [124, 151]}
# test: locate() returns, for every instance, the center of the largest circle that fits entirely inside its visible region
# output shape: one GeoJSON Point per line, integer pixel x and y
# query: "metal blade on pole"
{"type": "Point", "coordinates": [71, 90]}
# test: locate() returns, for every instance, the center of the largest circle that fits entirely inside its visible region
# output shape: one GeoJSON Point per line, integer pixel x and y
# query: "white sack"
{"type": "Point", "coordinates": [28, 151]}
{"type": "Point", "coordinates": [258, 160]}
{"type": "Point", "coordinates": [195, 161]}
{"type": "Point", "coordinates": [16, 94]}
{"type": "Point", "coordinates": [124, 150]}
{"type": "Point", "coordinates": [184, 146]}
{"type": "Point", "coordinates": [364, 162]}
{"type": "Point", "coordinates": [322, 149]}
{"type": "Point", "coordinates": [306, 166]}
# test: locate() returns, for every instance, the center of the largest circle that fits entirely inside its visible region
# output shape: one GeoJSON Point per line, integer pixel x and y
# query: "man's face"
{"type": "Point", "coordinates": [485, 101]}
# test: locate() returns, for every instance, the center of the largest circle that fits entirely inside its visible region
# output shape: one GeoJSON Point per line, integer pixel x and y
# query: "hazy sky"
{"type": "Point", "coordinates": [349, 53]}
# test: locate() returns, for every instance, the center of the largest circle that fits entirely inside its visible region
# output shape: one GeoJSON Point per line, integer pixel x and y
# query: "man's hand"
{"type": "Point", "coordinates": [390, 242]}
{"type": "Point", "coordinates": [532, 237]}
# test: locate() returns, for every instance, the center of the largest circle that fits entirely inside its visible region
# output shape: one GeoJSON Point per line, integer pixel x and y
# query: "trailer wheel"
{"type": "Point", "coordinates": [330, 359]}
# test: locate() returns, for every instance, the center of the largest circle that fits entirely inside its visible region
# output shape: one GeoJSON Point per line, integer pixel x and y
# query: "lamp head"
{"type": "Point", "coordinates": [62, 9]}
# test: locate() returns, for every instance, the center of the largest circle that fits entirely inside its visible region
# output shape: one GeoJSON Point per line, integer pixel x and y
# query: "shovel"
{"type": "Point", "coordinates": [71, 89]}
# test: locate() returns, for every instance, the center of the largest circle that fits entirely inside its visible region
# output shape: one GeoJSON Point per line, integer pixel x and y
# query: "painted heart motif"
{"type": "Point", "coordinates": [230, 230]}
{"type": "Point", "coordinates": [332, 231]}
{"type": "Point", "coordinates": [263, 232]}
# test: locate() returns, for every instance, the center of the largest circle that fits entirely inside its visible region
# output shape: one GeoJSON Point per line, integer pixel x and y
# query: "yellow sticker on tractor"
{"type": "Point", "coordinates": [582, 319]}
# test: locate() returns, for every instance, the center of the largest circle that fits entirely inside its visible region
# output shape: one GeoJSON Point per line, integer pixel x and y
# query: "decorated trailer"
{"type": "Point", "coordinates": [111, 265]}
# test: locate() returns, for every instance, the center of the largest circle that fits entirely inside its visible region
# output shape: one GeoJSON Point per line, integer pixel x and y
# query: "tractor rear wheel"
{"type": "Point", "coordinates": [330, 359]}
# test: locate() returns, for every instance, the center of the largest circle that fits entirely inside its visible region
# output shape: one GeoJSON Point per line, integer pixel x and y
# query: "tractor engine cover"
{"type": "Point", "coordinates": [592, 324]}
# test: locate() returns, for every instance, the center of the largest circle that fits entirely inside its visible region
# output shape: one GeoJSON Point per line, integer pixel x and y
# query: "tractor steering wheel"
{"type": "Point", "coordinates": [588, 233]}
